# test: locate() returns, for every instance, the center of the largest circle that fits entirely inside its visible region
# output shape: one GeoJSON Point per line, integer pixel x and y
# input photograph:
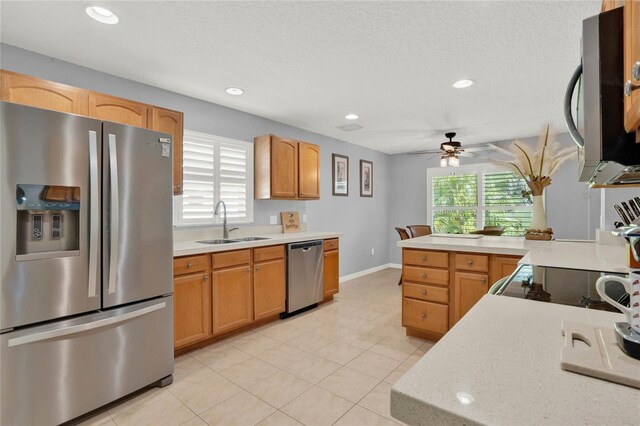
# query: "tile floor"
{"type": "Point", "coordinates": [332, 365]}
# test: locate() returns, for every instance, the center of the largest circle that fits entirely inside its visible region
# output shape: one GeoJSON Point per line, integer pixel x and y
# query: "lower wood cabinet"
{"type": "Point", "coordinates": [331, 269]}
{"type": "Point", "coordinates": [469, 288]}
{"type": "Point", "coordinates": [191, 308]}
{"type": "Point", "coordinates": [502, 266]}
{"type": "Point", "coordinates": [425, 316]}
{"type": "Point", "coordinates": [269, 283]}
{"type": "Point", "coordinates": [232, 298]}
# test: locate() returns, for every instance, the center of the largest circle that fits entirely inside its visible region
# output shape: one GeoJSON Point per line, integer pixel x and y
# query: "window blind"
{"type": "Point", "coordinates": [214, 169]}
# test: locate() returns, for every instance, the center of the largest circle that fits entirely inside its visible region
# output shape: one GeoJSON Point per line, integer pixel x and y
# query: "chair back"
{"type": "Point", "coordinates": [490, 230]}
{"type": "Point", "coordinates": [403, 233]}
{"type": "Point", "coordinates": [418, 230]}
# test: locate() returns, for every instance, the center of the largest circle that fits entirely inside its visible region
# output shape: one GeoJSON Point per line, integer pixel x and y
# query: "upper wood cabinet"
{"type": "Point", "coordinates": [172, 122]}
{"type": "Point", "coordinates": [118, 110]}
{"type": "Point", "coordinates": [35, 92]}
{"type": "Point", "coordinates": [631, 63]}
{"type": "Point", "coordinates": [285, 169]}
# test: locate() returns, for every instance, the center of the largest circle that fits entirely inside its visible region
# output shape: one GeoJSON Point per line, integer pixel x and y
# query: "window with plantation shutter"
{"type": "Point", "coordinates": [463, 199]}
{"type": "Point", "coordinates": [214, 169]}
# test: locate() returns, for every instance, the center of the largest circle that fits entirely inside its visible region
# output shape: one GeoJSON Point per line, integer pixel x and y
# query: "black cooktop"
{"type": "Point", "coordinates": [563, 286]}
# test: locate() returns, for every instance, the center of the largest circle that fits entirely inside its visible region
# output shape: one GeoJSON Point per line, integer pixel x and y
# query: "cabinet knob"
{"type": "Point", "coordinates": [629, 87]}
{"type": "Point", "coordinates": [484, 280]}
{"type": "Point", "coordinates": [301, 194]}
{"type": "Point", "coordinates": [248, 269]}
{"type": "Point", "coordinates": [423, 258]}
{"type": "Point", "coordinates": [189, 265]}
{"type": "Point", "coordinates": [423, 316]}
{"type": "Point", "coordinates": [257, 268]}
{"type": "Point", "coordinates": [205, 278]}
{"type": "Point", "coordinates": [424, 292]}
{"type": "Point", "coordinates": [635, 71]}
{"type": "Point", "coordinates": [469, 262]}
{"type": "Point", "coordinates": [424, 275]}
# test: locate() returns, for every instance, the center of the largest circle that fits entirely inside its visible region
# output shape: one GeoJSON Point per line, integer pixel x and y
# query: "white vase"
{"type": "Point", "coordinates": [538, 219]}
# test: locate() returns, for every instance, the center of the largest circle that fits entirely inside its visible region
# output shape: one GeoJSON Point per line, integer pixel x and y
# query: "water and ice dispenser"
{"type": "Point", "coordinates": [48, 221]}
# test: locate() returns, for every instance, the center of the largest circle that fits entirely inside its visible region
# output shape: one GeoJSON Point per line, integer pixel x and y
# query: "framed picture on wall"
{"type": "Point", "coordinates": [366, 178]}
{"type": "Point", "coordinates": [340, 175]}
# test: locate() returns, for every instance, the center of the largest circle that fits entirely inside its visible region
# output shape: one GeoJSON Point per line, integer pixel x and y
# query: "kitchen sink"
{"type": "Point", "coordinates": [217, 241]}
{"type": "Point", "coordinates": [252, 238]}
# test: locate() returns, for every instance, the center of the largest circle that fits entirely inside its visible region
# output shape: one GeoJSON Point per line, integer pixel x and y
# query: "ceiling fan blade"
{"type": "Point", "coordinates": [433, 151]}
{"type": "Point", "coordinates": [472, 155]}
{"type": "Point", "coordinates": [435, 156]}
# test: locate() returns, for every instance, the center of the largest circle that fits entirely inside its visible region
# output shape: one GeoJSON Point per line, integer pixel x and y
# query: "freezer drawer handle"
{"type": "Point", "coordinates": [114, 225]}
{"type": "Point", "coordinates": [74, 329]}
{"type": "Point", "coordinates": [94, 214]}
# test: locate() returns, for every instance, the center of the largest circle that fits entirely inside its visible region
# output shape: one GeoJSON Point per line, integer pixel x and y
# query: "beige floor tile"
{"type": "Point", "coordinates": [312, 368]}
{"type": "Point", "coordinates": [241, 410]}
{"type": "Point", "coordinates": [362, 339]}
{"type": "Point", "coordinates": [379, 400]}
{"type": "Point", "coordinates": [308, 322]}
{"type": "Point", "coordinates": [279, 419]}
{"type": "Point", "coordinates": [400, 371]}
{"type": "Point", "coordinates": [340, 352]}
{"type": "Point", "coordinates": [158, 409]}
{"type": "Point", "coordinates": [317, 407]}
{"type": "Point", "coordinates": [220, 358]}
{"type": "Point", "coordinates": [374, 365]}
{"type": "Point", "coordinates": [205, 394]}
{"type": "Point", "coordinates": [281, 332]}
{"type": "Point", "coordinates": [359, 416]}
{"type": "Point", "coordinates": [101, 418]}
{"type": "Point", "coordinates": [282, 356]}
{"type": "Point", "coordinates": [196, 421]}
{"type": "Point", "coordinates": [189, 370]}
{"type": "Point", "coordinates": [255, 343]}
{"type": "Point", "coordinates": [397, 348]}
{"type": "Point", "coordinates": [309, 342]}
{"type": "Point", "coordinates": [280, 388]}
{"type": "Point", "coordinates": [249, 372]}
{"type": "Point", "coordinates": [349, 384]}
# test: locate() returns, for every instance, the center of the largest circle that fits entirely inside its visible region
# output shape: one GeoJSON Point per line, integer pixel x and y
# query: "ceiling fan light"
{"type": "Point", "coordinates": [454, 161]}
{"type": "Point", "coordinates": [443, 162]}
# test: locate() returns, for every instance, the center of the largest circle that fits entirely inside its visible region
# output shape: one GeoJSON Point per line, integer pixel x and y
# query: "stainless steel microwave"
{"type": "Point", "coordinates": [607, 155]}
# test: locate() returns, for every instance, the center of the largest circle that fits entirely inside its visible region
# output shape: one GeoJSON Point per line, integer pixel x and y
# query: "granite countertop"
{"type": "Point", "coordinates": [558, 254]}
{"type": "Point", "coordinates": [500, 365]}
{"type": "Point", "coordinates": [191, 247]}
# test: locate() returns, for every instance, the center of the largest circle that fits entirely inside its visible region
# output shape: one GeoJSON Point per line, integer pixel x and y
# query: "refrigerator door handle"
{"type": "Point", "coordinates": [113, 215]}
{"type": "Point", "coordinates": [75, 329]}
{"type": "Point", "coordinates": [94, 213]}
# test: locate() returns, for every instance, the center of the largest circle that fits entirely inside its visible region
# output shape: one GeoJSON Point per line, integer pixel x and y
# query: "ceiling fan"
{"type": "Point", "coordinates": [450, 151]}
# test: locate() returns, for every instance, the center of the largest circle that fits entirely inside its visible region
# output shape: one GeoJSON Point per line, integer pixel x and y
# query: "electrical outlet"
{"type": "Point", "coordinates": [273, 220]}
{"type": "Point", "coordinates": [304, 218]}
{"type": "Point", "coordinates": [373, 251]}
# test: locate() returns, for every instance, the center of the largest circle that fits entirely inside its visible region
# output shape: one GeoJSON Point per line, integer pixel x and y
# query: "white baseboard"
{"type": "Point", "coordinates": [368, 271]}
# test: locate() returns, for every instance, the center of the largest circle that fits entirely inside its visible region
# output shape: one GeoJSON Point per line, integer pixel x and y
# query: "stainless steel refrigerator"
{"type": "Point", "coordinates": [86, 305]}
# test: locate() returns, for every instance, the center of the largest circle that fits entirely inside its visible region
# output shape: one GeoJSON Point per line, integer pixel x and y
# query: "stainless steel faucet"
{"type": "Point", "coordinates": [632, 235]}
{"type": "Point", "coordinates": [225, 231]}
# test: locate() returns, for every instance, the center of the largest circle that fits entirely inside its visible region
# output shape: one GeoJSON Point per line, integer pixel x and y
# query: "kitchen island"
{"type": "Point", "coordinates": [500, 365]}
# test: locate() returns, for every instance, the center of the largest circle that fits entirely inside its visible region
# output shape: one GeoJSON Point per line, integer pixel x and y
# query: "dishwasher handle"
{"type": "Point", "coordinates": [304, 245]}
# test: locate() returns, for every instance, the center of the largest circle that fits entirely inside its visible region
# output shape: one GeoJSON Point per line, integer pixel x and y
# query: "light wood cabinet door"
{"type": "Point", "coordinates": [469, 288]}
{"type": "Point", "coordinates": [172, 122]}
{"type": "Point", "coordinates": [632, 57]}
{"type": "Point", "coordinates": [331, 272]}
{"type": "Point", "coordinates": [118, 110]}
{"type": "Point", "coordinates": [35, 92]}
{"type": "Point", "coordinates": [308, 170]}
{"type": "Point", "coordinates": [284, 168]}
{"type": "Point", "coordinates": [502, 266]}
{"type": "Point", "coordinates": [232, 305]}
{"type": "Point", "coordinates": [268, 288]}
{"type": "Point", "coordinates": [192, 308]}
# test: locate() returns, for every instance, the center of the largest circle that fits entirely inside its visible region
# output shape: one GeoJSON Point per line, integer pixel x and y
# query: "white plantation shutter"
{"type": "Point", "coordinates": [214, 169]}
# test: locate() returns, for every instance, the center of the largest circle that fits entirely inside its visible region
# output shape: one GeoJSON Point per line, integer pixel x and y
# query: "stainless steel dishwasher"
{"type": "Point", "coordinates": [304, 276]}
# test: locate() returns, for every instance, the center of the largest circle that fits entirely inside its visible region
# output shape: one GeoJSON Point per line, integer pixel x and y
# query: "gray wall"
{"type": "Point", "coordinates": [573, 210]}
{"type": "Point", "coordinates": [362, 221]}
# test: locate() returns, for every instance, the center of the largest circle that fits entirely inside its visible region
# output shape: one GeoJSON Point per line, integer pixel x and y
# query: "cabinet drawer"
{"type": "Point", "coordinates": [268, 253]}
{"type": "Point", "coordinates": [425, 275]}
{"type": "Point", "coordinates": [187, 265]}
{"type": "Point", "coordinates": [472, 262]}
{"type": "Point", "coordinates": [331, 244]}
{"type": "Point", "coordinates": [426, 292]}
{"type": "Point", "coordinates": [438, 259]}
{"type": "Point", "coordinates": [425, 316]}
{"type": "Point", "coordinates": [230, 258]}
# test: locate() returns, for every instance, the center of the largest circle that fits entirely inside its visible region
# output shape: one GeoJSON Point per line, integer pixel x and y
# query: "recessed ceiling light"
{"type": "Point", "coordinates": [351, 116]}
{"type": "Point", "coordinates": [461, 84]}
{"type": "Point", "coordinates": [103, 15]}
{"type": "Point", "coordinates": [236, 91]}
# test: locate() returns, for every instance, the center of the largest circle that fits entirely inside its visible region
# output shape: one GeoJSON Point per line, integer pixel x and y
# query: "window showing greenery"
{"type": "Point", "coordinates": [477, 196]}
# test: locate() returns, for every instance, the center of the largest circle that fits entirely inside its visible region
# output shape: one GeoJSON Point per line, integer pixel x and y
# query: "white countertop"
{"type": "Point", "coordinates": [558, 254]}
{"type": "Point", "coordinates": [500, 364]}
{"type": "Point", "coordinates": [191, 247]}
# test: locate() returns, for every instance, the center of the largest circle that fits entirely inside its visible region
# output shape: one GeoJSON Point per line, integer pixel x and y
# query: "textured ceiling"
{"type": "Point", "coordinates": [309, 63]}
